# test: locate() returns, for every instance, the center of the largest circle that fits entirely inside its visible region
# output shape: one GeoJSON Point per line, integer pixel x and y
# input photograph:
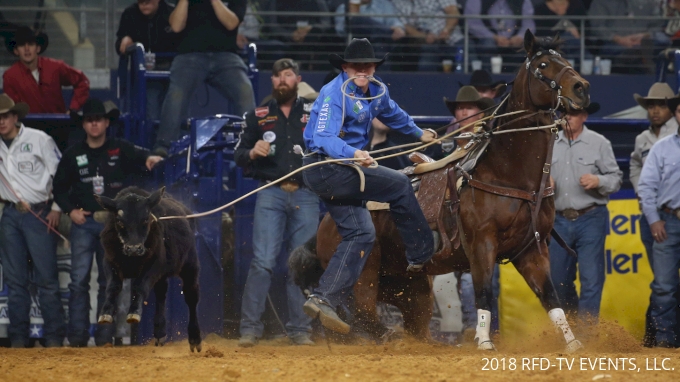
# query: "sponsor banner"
{"type": "Point", "coordinates": [626, 290]}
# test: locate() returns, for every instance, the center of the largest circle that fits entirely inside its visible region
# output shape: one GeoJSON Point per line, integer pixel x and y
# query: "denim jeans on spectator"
{"type": "Point", "coordinates": [466, 293]}
{"type": "Point", "coordinates": [22, 236]}
{"type": "Point", "coordinates": [585, 235]}
{"type": "Point", "coordinates": [155, 95]}
{"type": "Point", "coordinates": [85, 245]}
{"type": "Point", "coordinates": [279, 217]}
{"type": "Point", "coordinates": [665, 284]}
{"type": "Point", "coordinates": [338, 186]}
{"type": "Point", "coordinates": [659, 41]}
{"type": "Point", "coordinates": [225, 71]}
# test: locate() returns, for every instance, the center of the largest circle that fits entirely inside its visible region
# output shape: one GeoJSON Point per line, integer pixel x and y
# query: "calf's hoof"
{"type": "Point", "coordinates": [105, 319]}
{"type": "Point", "coordinates": [161, 341]}
{"type": "Point", "coordinates": [198, 347]}
{"type": "Point", "coordinates": [133, 318]}
{"type": "Point", "coordinates": [574, 346]}
{"type": "Point", "coordinates": [486, 345]}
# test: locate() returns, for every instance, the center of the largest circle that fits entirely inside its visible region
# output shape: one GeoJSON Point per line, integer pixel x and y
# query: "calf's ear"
{"type": "Point", "coordinates": [155, 197]}
{"type": "Point", "coordinates": [105, 202]}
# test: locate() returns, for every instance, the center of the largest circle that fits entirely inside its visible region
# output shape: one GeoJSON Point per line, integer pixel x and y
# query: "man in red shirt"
{"type": "Point", "coordinates": [37, 80]}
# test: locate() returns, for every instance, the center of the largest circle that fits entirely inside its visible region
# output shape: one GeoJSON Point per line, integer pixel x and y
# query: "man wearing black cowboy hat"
{"type": "Point", "coordinates": [28, 161]}
{"type": "Point", "coordinates": [584, 174]}
{"type": "Point", "coordinates": [97, 165]}
{"type": "Point", "coordinates": [37, 80]}
{"type": "Point", "coordinates": [482, 81]}
{"type": "Point", "coordinates": [338, 128]}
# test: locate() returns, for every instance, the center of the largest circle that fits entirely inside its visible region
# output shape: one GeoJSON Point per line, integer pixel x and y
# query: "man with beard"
{"type": "Point", "coordinates": [287, 210]}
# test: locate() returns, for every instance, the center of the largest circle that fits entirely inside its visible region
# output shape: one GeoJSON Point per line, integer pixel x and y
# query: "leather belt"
{"type": "Point", "coordinates": [20, 207]}
{"type": "Point", "coordinates": [287, 185]}
{"type": "Point", "coordinates": [572, 214]}
{"type": "Point", "coordinates": [671, 211]}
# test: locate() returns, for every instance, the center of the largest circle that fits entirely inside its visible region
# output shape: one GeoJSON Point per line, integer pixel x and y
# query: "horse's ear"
{"type": "Point", "coordinates": [529, 42]}
{"type": "Point", "coordinates": [155, 197]}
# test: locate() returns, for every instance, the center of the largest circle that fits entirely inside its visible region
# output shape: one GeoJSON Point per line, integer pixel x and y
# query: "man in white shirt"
{"type": "Point", "coordinates": [28, 161]}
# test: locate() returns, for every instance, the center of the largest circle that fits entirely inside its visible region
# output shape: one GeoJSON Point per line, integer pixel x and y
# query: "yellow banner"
{"type": "Point", "coordinates": [626, 289]}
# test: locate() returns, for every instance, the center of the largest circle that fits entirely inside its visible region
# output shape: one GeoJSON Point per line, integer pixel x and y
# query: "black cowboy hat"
{"type": "Point", "coordinates": [482, 79]}
{"type": "Point", "coordinates": [593, 108]}
{"type": "Point", "coordinates": [468, 94]}
{"type": "Point", "coordinates": [358, 51]}
{"type": "Point", "coordinates": [23, 35]}
{"type": "Point", "coordinates": [95, 107]}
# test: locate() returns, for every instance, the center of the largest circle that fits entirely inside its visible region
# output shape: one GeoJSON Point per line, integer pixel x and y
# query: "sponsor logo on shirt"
{"type": "Point", "coordinates": [324, 114]}
{"type": "Point", "coordinates": [26, 147]}
{"type": "Point", "coordinates": [305, 118]}
{"type": "Point", "coordinates": [81, 160]}
{"type": "Point", "coordinates": [84, 171]}
{"type": "Point", "coordinates": [327, 99]}
{"type": "Point", "coordinates": [25, 166]}
{"type": "Point", "coordinates": [113, 153]}
{"type": "Point", "coordinates": [269, 136]}
{"type": "Point", "coordinates": [362, 117]}
{"type": "Point", "coordinates": [261, 111]}
{"type": "Point", "coordinates": [307, 107]}
{"type": "Point", "coordinates": [357, 107]}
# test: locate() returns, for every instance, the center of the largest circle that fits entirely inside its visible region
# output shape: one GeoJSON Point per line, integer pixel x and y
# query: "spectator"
{"type": "Point", "coordinates": [468, 107]}
{"type": "Point", "coordinates": [584, 174]}
{"type": "Point", "coordinates": [376, 28]}
{"type": "Point", "coordinates": [146, 22]}
{"type": "Point", "coordinates": [261, 29]}
{"type": "Point", "coordinates": [482, 81]}
{"type": "Point", "coordinates": [38, 80]}
{"type": "Point", "coordinates": [207, 54]}
{"type": "Point", "coordinates": [499, 36]}
{"type": "Point", "coordinates": [288, 210]}
{"type": "Point", "coordinates": [380, 140]}
{"type": "Point", "coordinates": [630, 37]}
{"type": "Point", "coordinates": [97, 165]}
{"type": "Point", "coordinates": [672, 28]}
{"type": "Point", "coordinates": [30, 159]}
{"type": "Point", "coordinates": [568, 29]}
{"type": "Point", "coordinates": [661, 125]}
{"type": "Point", "coordinates": [437, 37]}
{"type": "Point", "coordinates": [659, 190]}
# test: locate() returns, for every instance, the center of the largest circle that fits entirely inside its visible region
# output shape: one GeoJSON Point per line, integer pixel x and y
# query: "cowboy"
{"type": "Point", "coordinates": [337, 129]}
{"type": "Point", "coordinates": [38, 80]}
{"type": "Point", "coordinates": [482, 81]}
{"type": "Point", "coordinates": [469, 107]}
{"type": "Point", "coordinates": [28, 161]}
{"type": "Point", "coordinates": [584, 173]}
{"type": "Point", "coordinates": [289, 211]}
{"type": "Point", "coordinates": [660, 104]}
{"type": "Point", "coordinates": [659, 191]}
{"type": "Point", "coordinates": [97, 165]}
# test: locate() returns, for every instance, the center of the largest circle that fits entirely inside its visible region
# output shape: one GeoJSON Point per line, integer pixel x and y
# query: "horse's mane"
{"type": "Point", "coordinates": [547, 43]}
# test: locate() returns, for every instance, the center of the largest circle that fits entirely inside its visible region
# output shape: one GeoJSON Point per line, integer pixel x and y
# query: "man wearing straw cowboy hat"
{"type": "Point", "coordinates": [102, 166]}
{"type": "Point", "coordinates": [337, 129]}
{"type": "Point", "coordinates": [661, 124]}
{"type": "Point", "coordinates": [28, 161]}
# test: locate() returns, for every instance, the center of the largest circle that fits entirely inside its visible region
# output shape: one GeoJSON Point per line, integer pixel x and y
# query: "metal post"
{"type": "Point", "coordinates": [466, 44]}
{"type": "Point", "coordinates": [676, 67]}
{"type": "Point", "coordinates": [583, 42]}
{"type": "Point", "coordinates": [107, 45]}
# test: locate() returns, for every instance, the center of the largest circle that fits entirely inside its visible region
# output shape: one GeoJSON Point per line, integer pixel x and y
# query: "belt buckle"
{"type": "Point", "coordinates": [289, 186]}
{"type": "Point", "coordinates": [570, 214]}
{"type": "Point", "coordinates": [21, 207]}
{"type": "Point", "coordinates": [100, 216]}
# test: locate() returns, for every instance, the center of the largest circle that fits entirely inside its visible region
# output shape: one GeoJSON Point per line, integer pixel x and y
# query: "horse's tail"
{"type": "Point", "coordinates": [304, 266]}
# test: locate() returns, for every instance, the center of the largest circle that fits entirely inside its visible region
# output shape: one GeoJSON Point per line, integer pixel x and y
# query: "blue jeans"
{"type": "Point", "coordinates": [279, 216]}
{"type": "Point", "coordinates": [586, 236]}
{"type": "Point", "coordinates": [225, 71]}
{"type": "Point", "coordinates": [23, 237]}
{"type": "Point", "coordinates": [338, 186]}
{"type": "Point", "coordinates": [85, 245]}
{"type": "Point", "coordinates": [155, 95]}
{"type": "Point", "coordinates": [665, 284]}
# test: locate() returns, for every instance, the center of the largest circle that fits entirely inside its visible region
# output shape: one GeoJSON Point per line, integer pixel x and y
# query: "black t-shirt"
{"type": "Point", "coordinates": [205, 33]}
{"type": "Point", "coordinates": [115, 160]}
{"type": "Point", "coordinates": [544, 26]}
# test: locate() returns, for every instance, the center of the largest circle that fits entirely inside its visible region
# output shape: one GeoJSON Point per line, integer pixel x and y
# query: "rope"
{"type": "Point", "coordinates": [329, 161]}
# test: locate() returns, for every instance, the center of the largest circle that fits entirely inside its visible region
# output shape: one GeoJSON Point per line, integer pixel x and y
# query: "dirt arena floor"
{"type": "Point", "coordinates": [612, 354]}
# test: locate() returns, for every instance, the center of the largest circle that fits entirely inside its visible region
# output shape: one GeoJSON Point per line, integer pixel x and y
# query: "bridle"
{"type": "Point", "coordinates": [553, 84]}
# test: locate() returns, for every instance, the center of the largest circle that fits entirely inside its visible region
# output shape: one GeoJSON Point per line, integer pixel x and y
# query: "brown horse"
{"type": "Point", "coordinates": [506, 211]}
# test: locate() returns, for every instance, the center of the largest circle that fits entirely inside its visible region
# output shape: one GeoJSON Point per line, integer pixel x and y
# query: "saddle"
{"type": "Point", "coordinates": [437, 184]}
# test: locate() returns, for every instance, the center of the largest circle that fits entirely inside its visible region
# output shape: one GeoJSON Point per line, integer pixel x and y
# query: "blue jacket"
{"type": "Point", "coordinates": [324, 132]}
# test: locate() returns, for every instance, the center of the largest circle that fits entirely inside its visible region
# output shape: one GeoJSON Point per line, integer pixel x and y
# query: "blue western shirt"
{"type": "Point", "coordinates": [328, 134]}
{"type": "Point", "coordinates": [659, 184]}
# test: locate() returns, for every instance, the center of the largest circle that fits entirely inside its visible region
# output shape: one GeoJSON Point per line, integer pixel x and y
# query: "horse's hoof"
{"type": "Point", "coordinates": [198, 347]}
{"type": "Point", "coordinates": [574, 346]}
{"type": "Point", "coordinates": [486, 345]}
{"type": "Point", "coordinates": [161, 341]}
{"type": "Point", "coordinates": [133, 318]}
{"type": "Point", "coordinates": [105, 319]}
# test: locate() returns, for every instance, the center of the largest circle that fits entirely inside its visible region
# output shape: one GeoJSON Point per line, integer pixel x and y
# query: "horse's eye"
{"type": "Point", "coordinates": [543, 65]}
